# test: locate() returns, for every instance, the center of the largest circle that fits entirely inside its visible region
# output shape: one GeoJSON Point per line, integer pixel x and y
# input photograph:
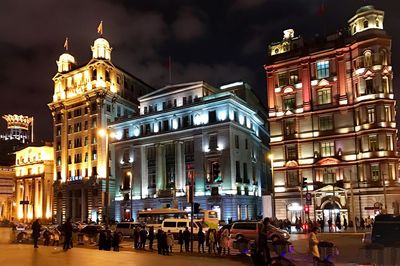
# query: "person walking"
{"type": "Point", "coordinates": [36, 232]}
{"type": "Point", "coordinates": [211, 241]}
{"type": "Point", "coordinates": [186, 238]}
{"type": "Point", "coordinates": [170, 240]}
{"type": "Point", "coordinates": [180, 240]}
{"type": "Point", "coordinates": [67, 228]}
{"type": "Point", "coordinates": [313, 243]}
{"type": "Point", "coordinates": [151, 237]}
{"type": "Point", "coordinates": [200, 239]}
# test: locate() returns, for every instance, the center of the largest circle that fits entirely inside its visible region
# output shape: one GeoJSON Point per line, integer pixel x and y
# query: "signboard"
{"type": "Point", "coordinates": [308, 198]}
{"type": "Point", "coordinates": [24, 202]}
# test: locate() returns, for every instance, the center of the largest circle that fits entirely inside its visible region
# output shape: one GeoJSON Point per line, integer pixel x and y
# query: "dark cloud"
{"type": "Point", "coordinates": [215, 41]}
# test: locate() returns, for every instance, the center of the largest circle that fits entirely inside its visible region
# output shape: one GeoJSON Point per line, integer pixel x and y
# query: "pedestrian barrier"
{"type": "Point", "coordinates": [380, 255]}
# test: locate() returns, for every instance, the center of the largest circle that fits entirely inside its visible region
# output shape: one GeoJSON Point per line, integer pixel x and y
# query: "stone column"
{"type": "Point", "coordinates": [271, 90]}
{"type": "Point", "coordinates": [160, 166]}
{"type": "Point", "coordinates": [341, 76]}
{"type": "Point", "coordinates": [83, 205]}
{"type": "Point", "coordinates": [306, 85]}
{"type": "Point", "coordinates": [142, 161]}
{"type": "Point", "coordinates": [179, 166]}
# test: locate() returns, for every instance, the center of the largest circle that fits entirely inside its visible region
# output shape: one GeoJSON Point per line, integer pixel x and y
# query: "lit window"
{"type": "Point", "coordinates": [388, 114]}
{"type": "Point", "coordinates": [322, 69]}
{"type": "Point", "coordinates": [373, 142]}
{"type": "Point", "coordinates": [290, 127]}
{"type": "Point", "coordinates": [371, 115]}
{"type": "Point", "coordinates": [291, 152]}
{"type": "Point", "coordinates": [375, 172]}
{"type": "Point", "coordinates": [329, 177]}
{"type": "Point", "coordinates": [324, 96]}
{"type": "Point", "coordinates": [327, 149]}
{"type": "Point", "coordinates": [289, 103]}
{"type": "Point", "coordinates": [367, 58]}
{"type": "Point", "coordinates": [325, 123]}
{"type": "Point", "coordinates": [369, 86]}
{"type": "Point", "coordinates": [292, 178]}
{"type": "Point", "coordinates": [282, 79]}
{"type": "Point", "coordinates": [389, 142]}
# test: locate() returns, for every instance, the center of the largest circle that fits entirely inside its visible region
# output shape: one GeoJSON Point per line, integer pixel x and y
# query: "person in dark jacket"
{"type": "Point", "coordinates": [201, 238]}
{"type": "Point", "coordinates": [115, 241]}
{"type": "Point", "coordinates": [108, 240]}
{"type": "Point", "coordinates": [159, 241]}
{"type": "Point", "coordinates": [36, 232]}
{"type": "Point", "coordinates": [180, 239]}
{"type": "Point", "coordinates": [143, 238]}
{"type": "Point", "coordinates": [136, 237]}
{"type": "Point", "coordinates": [151, 237]}
{"type": "Point", "coordinates": [164, 243]}
{"type": "Point", "coordinates": [186, 238]}
{"type": "Point", "coordinates": [67, 228]}
{"type": "Point", "coordinates": [102, 240]}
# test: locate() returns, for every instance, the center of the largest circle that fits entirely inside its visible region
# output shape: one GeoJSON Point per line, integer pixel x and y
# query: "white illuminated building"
{"type": "Point", "coordinates": [192, 130]}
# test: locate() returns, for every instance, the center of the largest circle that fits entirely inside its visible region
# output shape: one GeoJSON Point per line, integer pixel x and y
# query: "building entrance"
{"type": "Point", "coordinates": [334, 212]}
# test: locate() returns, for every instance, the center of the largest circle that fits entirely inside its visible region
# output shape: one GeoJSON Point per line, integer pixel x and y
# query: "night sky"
{"type": "Point", "coordinates": [218, 41]}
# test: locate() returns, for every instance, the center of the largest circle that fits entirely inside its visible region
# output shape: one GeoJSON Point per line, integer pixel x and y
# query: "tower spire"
{"type": "Point", "coordinates": [66, 44]}
{"type": "Point", "coordinates": [100, 29]}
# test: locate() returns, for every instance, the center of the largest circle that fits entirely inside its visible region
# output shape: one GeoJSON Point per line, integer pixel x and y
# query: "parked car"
{"type": "Point", "coordinates": [126, 228]}
{"type": "Point", "coordinates": [91, 230]}
{"type": "Point", "coordinates": [250, 230]}
{"type": "Point", "coordinates": [174, 225]}
{"type": "Point", "coordinates": [385, 231]}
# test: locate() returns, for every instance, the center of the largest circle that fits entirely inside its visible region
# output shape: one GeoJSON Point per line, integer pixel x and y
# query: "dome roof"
{"type": "Point", "coordinates": [65, 57]}
{"type": "Point", "coordinates": [365, 8]}
{"type": "Point", "coordinates": [101, 42]}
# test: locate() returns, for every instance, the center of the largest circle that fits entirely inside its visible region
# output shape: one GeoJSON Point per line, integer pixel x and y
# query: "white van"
{"type": "Point", "coordinates": [175, 225]}
{"type": "Point", "coordinates": [126, 229]}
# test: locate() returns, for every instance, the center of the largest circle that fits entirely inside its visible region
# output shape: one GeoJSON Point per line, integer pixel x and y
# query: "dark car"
{"type": "Point", "coordinates": [91, 230]}
{"type": "Point", "coordinates": [386, 230]}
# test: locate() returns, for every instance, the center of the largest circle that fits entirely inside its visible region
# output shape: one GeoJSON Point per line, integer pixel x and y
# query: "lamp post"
{"type": "Point", "coordinates": [106, 134]}
{"type": "Point", "coordinates": [271, 158]}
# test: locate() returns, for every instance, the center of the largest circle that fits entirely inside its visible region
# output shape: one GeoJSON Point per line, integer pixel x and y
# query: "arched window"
{"type": "Point", "coordinates": [383, 57]}
{"type": "Point", "coordinates": [354, 29]}
{"type": "Point", "coordinates": [367, 58]}
{"type": "Point", "coordinates": [365, 24]}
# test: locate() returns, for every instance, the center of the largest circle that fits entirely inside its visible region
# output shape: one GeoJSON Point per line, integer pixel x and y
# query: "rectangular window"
{"type": "Point", "coordinates": [289, 103]}
{"type": "Point", "coordinates": [238, 178]}
{"type": "Point", "coordinates": [325, 123]}
{"type": "Point", "coordinates": [213, 139]}
{"type": "Point", "coordinates": [94, 154]}
{"type": "Point", "coordinates": [282, 79]}
{"type": "Point", "coordinates": [290, 127]}
{"type": "Point", "coordinates": [245, 175]}
{"type": "Point", "coordinates": [292, 178]}
{"type": "Point", "coordinates": [369, 86]}
{"type": "Point", "coordinates": [389, 142]}
{"type": "Point", "coordinates": [94, 122]}
{"type": "Point", "coordinates": [246, 144]}
{"type": "Point", "coordinates": [373, 142]}
{"type": "Point", "coordinates": [212, 116]}
{"type": "Point", "coordinates": [375, 172]}
{"type": "Point", "coordinates": [327, 149]}
{"type": "Point", "coordinates": [388, 114]}
{"type": "Point", "coordinates": [322, 69]}
{"type": "Point", "coordinates": [58, 131]}
{"type": "Point", "coordinates": [324, 96]}
{"type": "Point", "coordinates": [236, 141]}
{"type": "Point", "coordinates": [291, 152]}
{"type": "Point", "coordinates": [329, 177]}
{"type": "Point", "coordinates": [184, 100]}
{"type": "Point", "coordinates": [86, 125]}
{"type": "Point", "coordinates": [371, 115]}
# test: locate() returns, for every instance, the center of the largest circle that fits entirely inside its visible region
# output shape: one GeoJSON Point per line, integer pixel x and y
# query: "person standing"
{"type": "Point", "coordinates": [225, 241]}
{"type": "Point", "coordinates": [136, 237]}
{"type": "Point", "coordinates": [170, 240]}
{"type": "Point", "coordinates": [143, 238]}
{"type": "Point", "coordinates": [102, 240]}
{"type": "Point", "coordinates": [313, 243]}
{"type": "Point", "coordinates": [164, 243]}
{"type": "Point", "coordinates": [211, 241]}
{"type": "Point", "coordinates": [201, 239]}
{"type": "Point", "coordinates": [151, 237]}
{"type": "Point", "coordinates": [330, 225]}
{"type": "Point", "coordinates": [180, 240]}
{"type": "Point", "coordinates": [263, 241]}
{"type": "Point", "coordinates": [115, 241]}
{"type": "Point", "coordinates": [345, 223]}
{"type": "Point", "coordinates": [186, 238]}
{"type": "Point", "coordinates": [56, 237]}
{"type": "Point", "coordinates": [159, 241]}
{"type": "Point", "coordinates": [36, 232]}
{"type": "Point", "coordinates": [67, 228]}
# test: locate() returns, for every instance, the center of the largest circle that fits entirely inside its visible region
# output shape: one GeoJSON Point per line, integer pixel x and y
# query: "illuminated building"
{"type": "Point", "coordinates": [19, 127]}
{"type": "Point", "coordinates": [7, 185]}
{"type": "Point", "coordinates": [34, 166]}
{"type": "Point", "coordinates": [86, 98]}
{"type": "Point", "coordinates": [332, 120]}
{"type": "Point", "coordinates": [215, 135]}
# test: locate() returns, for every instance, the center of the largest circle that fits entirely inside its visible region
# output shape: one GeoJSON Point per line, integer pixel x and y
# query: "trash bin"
{"type": "Point", "coordinates": [326, 250]}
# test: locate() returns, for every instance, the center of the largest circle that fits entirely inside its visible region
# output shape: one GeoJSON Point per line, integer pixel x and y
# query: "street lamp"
{"type": "Point", "coordinates": [105, 133]}
{"type": "Point", "coordinates": [271, 158]}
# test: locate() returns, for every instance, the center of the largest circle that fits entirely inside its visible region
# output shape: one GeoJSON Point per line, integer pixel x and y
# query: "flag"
{"type": "Point", "coordinates": [66, 44]}
{"type": "Point", "coordinates": [100, 28]}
